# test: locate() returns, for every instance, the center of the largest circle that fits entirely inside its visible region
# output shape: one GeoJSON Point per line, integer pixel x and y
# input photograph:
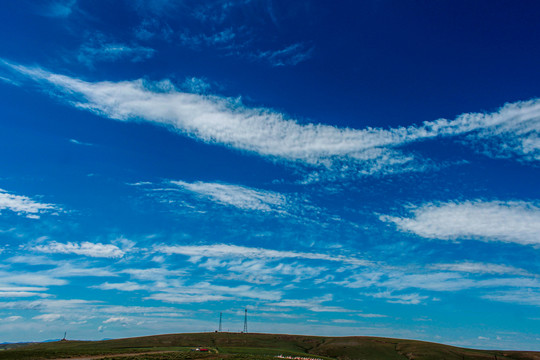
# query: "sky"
{"type": "Point", "coordinates": [355, 168]}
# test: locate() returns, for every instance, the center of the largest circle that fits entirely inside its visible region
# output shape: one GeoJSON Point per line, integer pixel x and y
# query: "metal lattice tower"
{"type": "Point", "coordinates": [219, 322]}
{"type": "Point", "coordinates": [245, 321]}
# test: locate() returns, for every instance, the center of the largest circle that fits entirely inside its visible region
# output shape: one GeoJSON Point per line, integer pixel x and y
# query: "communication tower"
{"type": "Point", "coordinates": [245, 321]}
{"type": "Point", "coordinates": [220, 322]}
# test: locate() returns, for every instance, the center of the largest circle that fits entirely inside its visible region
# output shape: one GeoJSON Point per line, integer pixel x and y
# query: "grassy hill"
{"type": "Point", "coordinates": [256, 346]}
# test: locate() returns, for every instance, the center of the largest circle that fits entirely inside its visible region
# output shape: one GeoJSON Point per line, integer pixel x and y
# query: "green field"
{"type": "Point", "coordinates": [255, 346]}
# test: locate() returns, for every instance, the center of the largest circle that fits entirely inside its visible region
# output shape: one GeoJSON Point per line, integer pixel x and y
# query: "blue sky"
{"type": "Point", "coordinates": [360, 168]}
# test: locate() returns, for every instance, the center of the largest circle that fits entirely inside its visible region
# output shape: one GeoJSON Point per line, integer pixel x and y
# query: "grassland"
{"type": "Point", "coordinates": [254, 347]}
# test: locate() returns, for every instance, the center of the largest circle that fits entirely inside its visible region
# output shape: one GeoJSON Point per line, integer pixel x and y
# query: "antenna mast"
{"type": "Point", "coordinates": [245, 321]}
{"type": "Point", "coordinates": [219, 322]}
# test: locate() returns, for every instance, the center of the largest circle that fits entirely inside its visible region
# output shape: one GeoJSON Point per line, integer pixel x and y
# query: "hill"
{"type": "Point", "coordinates": [257, 346]}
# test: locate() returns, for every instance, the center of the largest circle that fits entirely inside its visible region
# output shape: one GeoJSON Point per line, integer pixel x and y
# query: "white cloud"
{"type": "Point", "coordinates": [81, 311]}
{"type": "Point", "coordinates": [67, 269]}
{"type": "Point", "coordinates": [204, 292]}
{"type": "Point", "coordinates": [31, 260]}
{"type": "Point", "coordinates": [120, 309]}
{"type": "Point", "coordinates": [509, 132]}
{"type": "Point", "coordinates": [232, 40]}
{"type": "Point", "coordinates": [151, 28]}
{"type": "Point", "coordinates": [19, 294]}
{"type": "Point", "coordinates": [314, 304]}
{"type": "Point", "coordinates": [259, 271]}
{"type": "Point", "coordinates": [480, 268]}
{"type": "Point", "coordinates": [100, 49]}
{"type": "Point", "coordinates": [196, 85]}
{"type": "Point", "coordinates": [13, 318]}
{"type": "Point", "coordinates": [458, 277]}
{"type": "Point", "coordinates": [219, 39]}
{"type": "Point", "coordinates": [289, 56]}
{"type": "Point", "coordinates": [363, 279]}
{"type": "Point", "coordinates": [23, 205]}
{"type": "Point", "coordinates": [372, 316]}
{"type": "Point", "coordinates": [344, 321]}
{"type": "Point", "coordinates": [153, 274]}
{"type": "Point", "coordinates": [439, 281]}
{"type": "Point", "coordinates": [59, 8]}
{"type": "Point", "coordinates": [39, 279]}
{"type": "Point", "coordinates": [114, 319]}
{"type": "Point", "coordinates": [391, 283]}
{"type": "Point", "coordinates": [22, 288]}
{"type": "Point", "coordinates": [50, 305]}
{"type": "Point", "coordinates": [512, 221]}
{"type": "Point", "coordinates": [125, 286]}
{"type": "Point", "coordinates": [85, 248]}
{"type": "Point", "coordinates": [516, 296]}
{"type": "Point", "coordinates": [408, 299]}
{"type": "Point", "coordinates": [48, 317]}
{"type": "Point", "coordinates": [238, 196]}
{"type": "Point", "coordinates": [77, 142]}
{"type": "Point", "coordinates": [234, 251]}
{"type": "Point", "coordinates": [187, 298]}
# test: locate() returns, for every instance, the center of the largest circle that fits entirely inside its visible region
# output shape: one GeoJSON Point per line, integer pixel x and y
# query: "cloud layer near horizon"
{"type": "Point", "coordinates": [509, 132]}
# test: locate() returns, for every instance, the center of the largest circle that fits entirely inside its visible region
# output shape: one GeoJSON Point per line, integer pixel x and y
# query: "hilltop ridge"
{"type": "Point", "coordinates": [258, 346]}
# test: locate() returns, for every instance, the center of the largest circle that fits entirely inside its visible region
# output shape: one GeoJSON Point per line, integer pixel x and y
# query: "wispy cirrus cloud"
{"type": "Point", "coordinates": [371, 316]}
{"type": "Point", "coordinates": [165, 285]}
{"type": "Point", "coordinates": [205, 292]}
{"type": "Point", "coordinates": [241, 197]}
{"type": "Point", "coordinates": [289, 56]}
{"type": "Point", "coordinates": [23, 205]}
{"type": "Point", "coordinates": [152, 28]}
{"type": "Point", "coordinates": [509, 132]}
{"type": "Point", "coordinates": [82, 309]}
{"type": "Point", "coordinates": [48, 317]}
{"type": "Point", "coordinates": [395, 285]}
{"type": "Point", "coordinates": [407, 299]}
{"type": "Point", "coordinates": [510, 221]}
{"type": "Point", "coordinates": [57, 8]}
{"type": "Point", "coordinates": [235, 251]}
{"type": "Point", "coordinates": [22, 291]}
{"type": "Point", "coordinates": [525, 296]}
{"type": "Point", "coordinates": [47, 305]}
{"type": "Point", "coordinates": [222, 38]}
{"type": "Point", "coordinates": [125, 286]}
{"type": "Point", "coordinates": [100, 49]}
{"type": "Point", "coordinates": [66, 269]}
{"type": "Point", "coordinates": [115, 319]}
{"type": "Point", "coordinates": [77, 142]}
{"type": "Point", "coordinates": [313, 304]}
{"type": "Point", "coordinates": [196, 85]}
{"type": "Point", "coordinates": [242, 38]}
{"type": "Point", "coordinates": [84, 248]}
{"type": "Point", "coordinates": [183, 298]}
{"type": "Point", "coordinates": [480, 268]}
{"type": "Point", "coordinates": [155, 274]}
{"type": "Point", "coordinates": [201, 197]}
{"type": "Point", "coordinates": [34, 279]}
{"type": "Point", "coordinates": [436, 281]}
{"type": "Point", "coordinates": [261, 271]}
